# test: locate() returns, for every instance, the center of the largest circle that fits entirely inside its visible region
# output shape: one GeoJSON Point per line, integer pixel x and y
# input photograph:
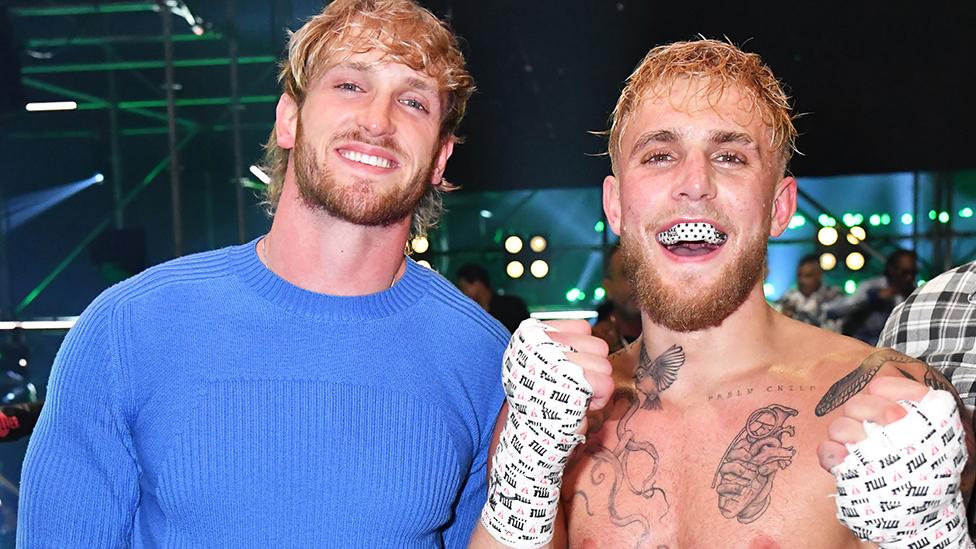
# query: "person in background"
{"type": "Point", "coordinates": [863, 314]}
{"type": "Point", "coordinates": [807, 301]}
{"type": "Point", "coordinates": [619, 318]}
{"type": "Point", "coordinates": [473, 281]}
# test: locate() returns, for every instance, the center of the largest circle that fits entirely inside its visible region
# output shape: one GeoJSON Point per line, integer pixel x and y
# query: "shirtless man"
{"type": "Point", "coordinates": [722, 425]}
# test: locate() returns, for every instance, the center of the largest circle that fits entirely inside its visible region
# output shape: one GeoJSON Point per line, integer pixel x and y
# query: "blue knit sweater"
{"type": "Point", "coordinates": [209, 403]}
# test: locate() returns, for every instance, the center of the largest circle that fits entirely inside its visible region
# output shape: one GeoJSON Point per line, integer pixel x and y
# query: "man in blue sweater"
{"type": "Point", "coordinates": [312, 388]}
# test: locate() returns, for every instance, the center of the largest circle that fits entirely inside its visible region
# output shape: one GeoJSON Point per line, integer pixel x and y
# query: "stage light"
{"type": "Point", "coordinates": [573, 295]}
{"type": "Point", "coordinates": [44, 106]}
{"type": "Point", "coordinates": [850, 287]}
{"type": "Point", "coordinates": [828, 261]}
{"type": "Point", "coordinates": [933, 214]}
{"type": "Point", "coordinates": [424, 263]}
{"type": "Point", "coordinates": [885, 219]}
{"type": "Point", "coordinates": [854, 261]}
{"type": "Point", "coordinates": [797, 221]}
{"type": "Point", "coordinates": [966, 212]}
{"type": "Point", "coordinates": [943, 217]}
{"type": "Point", "coordinates": [23, 208]}
{"type": "Point", "coordinates": [485, 214]}
{"type": "Point", "coordinates": [859, 232]}
{"type": "Point", "coordinates": [848, 219]}
{"type": "Point", "coordinates": [599, 227]}
{"type": "Point", "coordinates": [513, 245]}
{"type": "Point", "coordinates": [539, 268]}
{"type": "Point", "coordinates": [538, 244]}
{"type": "Point", "coordinates": [515, 269]}
{"type": "Point", "coordinates": [768, 289]}
{"type": "Point", "coordinates": [907, 219]}
{"type": "Point", "coordinates": [599, 293]}
{"type": "Point", "coordinates": [827, 236]}
{"type": "Point", "coordinates": [259, 173]}
{"type": "Point", "coordinates": [874, 220]}
{"type": "Point", "coordinates": [826, 221]}
{"type": "Point", "coordinates": [420, 244]}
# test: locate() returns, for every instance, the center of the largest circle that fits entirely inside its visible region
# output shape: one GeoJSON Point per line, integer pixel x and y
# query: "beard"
{"type": "Point", "coordinates": [360, 201]}
{"type": "Point", "coordinates": [683, 305]}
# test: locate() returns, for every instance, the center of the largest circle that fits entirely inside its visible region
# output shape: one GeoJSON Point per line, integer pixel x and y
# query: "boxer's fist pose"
{"type": "Point", "coordinates": [898, 451]}
{"type": "Point", "coordinates": [552, 374]}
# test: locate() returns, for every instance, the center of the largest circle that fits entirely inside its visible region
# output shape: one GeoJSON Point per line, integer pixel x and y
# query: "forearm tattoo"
{"type": "Point", "coordinates": [854, 382]}
{"type": "Point", "coordinates": [651, 377]}
{"type": "Point", "coordinates": [744, 477]}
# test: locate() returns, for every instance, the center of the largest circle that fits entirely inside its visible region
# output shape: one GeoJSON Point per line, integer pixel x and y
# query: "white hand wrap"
{"type": "Point", "coordinates": [899, 487]}
{"type": "Point", "coordinates": [547, 400]}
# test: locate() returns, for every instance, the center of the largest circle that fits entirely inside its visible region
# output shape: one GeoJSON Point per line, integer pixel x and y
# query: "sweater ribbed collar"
{"type": "Point", "coordinates": [411, 286]}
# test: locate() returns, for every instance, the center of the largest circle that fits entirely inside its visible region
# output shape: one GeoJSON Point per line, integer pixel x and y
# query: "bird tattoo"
{"type": "Point", "coordinates": [654, 376]}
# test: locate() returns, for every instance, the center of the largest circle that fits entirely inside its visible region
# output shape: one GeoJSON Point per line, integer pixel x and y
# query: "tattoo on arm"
{"type": "Point", "coordinates": [854, 382]}
{"type": "Point", "coordinates": [744, 478]}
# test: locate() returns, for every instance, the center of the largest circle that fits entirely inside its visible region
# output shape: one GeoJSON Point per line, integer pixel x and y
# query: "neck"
{"type": "Point", "coordinates": [741, 344]}
{"type": "Point", "coordinates": [320, 253]}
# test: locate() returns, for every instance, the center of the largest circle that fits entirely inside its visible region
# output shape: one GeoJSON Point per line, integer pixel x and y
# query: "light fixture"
{"type": "Point", "coordinates": [538, 244]}
{"type": "Point", "coordinates": [854, 261]}
{"type": "Point", "coordinates": [420, 244]}
{"type": "Point", "coordinates": [513, 244]}
{"type": "Point", "coordinates": [259, 173]}
{"type": "Point", "coordinates": [828, 261]}
{"type": "Point", "coordinates": [827, 236]}
{"type": "Point", "coordinates": [539, 268]}
{"type": "Point", "coordinates": [515, 269]}
{"type": "Point", "coordinates": [51, 106]}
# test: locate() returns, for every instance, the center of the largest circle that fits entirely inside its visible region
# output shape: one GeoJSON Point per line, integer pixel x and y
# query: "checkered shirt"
{"type": "Point", "coordinates": [937, 324]}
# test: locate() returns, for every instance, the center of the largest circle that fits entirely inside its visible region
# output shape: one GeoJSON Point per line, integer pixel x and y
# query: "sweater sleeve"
{"type": "Point", "coordinates": [79, 485]}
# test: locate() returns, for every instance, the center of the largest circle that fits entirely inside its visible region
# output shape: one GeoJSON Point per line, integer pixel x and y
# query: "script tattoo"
{"type": "Point", "coordinates": [744, 478]}
{"type": "Point", "coordinates": [650, 379]}
{"type": "Point", "coordinates": [854, 382]}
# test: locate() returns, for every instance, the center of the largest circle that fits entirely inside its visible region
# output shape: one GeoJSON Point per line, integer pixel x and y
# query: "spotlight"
{"type": "Point", "coordinates": [828, 261]}
{"type": "Point", "coordinates": [515, 269]}
{"type": "Point", "coordinates": [854, 261]}
{"type": "Point", "coordinates": [259, 173]}
{"type": "Point", "coordinates": [424, 263]}
{"type": "Point", "coordinates": [859, 233]}
{"type": "Point", "coordinates": [827, 236]}
{"type": "Point", "coordinates": [420, 244]}
{"type": "Point", "coordinates": [538, 244]}
{"type": "Point", "coordinates": [539, 268]}
{"type": "Point", "coordinates": [513, 245]}
{"type": "Point", "coordinates": [51, 106]}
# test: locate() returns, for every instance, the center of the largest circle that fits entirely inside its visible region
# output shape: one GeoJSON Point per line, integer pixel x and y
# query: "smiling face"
{"type": "Point", "coordinates": [698, 192]}
{"type": "Point", "coordinates": [365, 142]}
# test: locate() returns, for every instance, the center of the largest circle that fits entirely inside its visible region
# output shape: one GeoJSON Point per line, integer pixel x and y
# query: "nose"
{"type": "Point", "coordinates": [695, 180]}
{"type": "Point", "coordinates": [375, 118]}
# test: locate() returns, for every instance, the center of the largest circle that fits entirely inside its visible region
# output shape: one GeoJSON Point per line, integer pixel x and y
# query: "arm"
{"type": "Point", "coordinates": [18, 420]}
{"type": "Point", "coordinates": [79, 486]}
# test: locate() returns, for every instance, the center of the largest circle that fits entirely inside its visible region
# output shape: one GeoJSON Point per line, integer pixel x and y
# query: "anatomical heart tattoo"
{"type": "Point", "coordinates": [744, 478]}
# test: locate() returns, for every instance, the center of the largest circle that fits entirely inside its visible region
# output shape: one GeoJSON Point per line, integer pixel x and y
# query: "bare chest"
{"type": "Point", "coordinates": [737, 472]}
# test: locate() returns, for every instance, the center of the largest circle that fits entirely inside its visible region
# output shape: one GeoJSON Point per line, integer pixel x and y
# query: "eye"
{"type": "Point", "coordinates": [656, 158]}
{"type": "Point", "coordinates": [348, 86]}
{"type": "Point", "coordinates": [730, 158]}
{"type": "Point", "coordinates": [414, 104]}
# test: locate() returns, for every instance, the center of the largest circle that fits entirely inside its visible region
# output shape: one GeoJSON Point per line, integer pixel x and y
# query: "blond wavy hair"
{"type": "Point", "coordinates": [718, 64]}
{"type": "Point", "coordinates": [405, 33]}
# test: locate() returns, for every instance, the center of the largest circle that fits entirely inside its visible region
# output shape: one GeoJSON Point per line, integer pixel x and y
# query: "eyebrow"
{"type": "Point", "coordinates": [654, 136]}
{"type": "Point", "coordinates": [724, 136]}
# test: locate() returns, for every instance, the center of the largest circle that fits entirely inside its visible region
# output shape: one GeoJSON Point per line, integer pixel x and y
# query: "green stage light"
{"type": "Point", "coordinates": [599, 227]}
{"type": "Point", "coordinates": [850, 286]}
{"type": "Point", "coordinates": [885, 219]}
{"type": "Point", "coordinates": [907, 219]}
{"type": "Point", "coordinates": [874, 220]}
{"type": "Point", "coordinates": [943, 217]}
{"type": "Point", "coordinates": [573, 295]}
{"type": "Point", "coordinates": [797, 221]}
{"type": "Point", "coordinates": [599, 293]}
{"type": "Point", "coordinates": [933, 214]}
{"type": "Point", "coordinates": [966, 212]}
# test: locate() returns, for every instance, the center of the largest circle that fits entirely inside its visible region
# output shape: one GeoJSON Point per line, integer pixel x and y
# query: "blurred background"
{"type": "Point", "coordinates": [128, 132]}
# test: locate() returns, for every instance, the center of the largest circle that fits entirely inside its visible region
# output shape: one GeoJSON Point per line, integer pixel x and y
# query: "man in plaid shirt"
{"type": "Point", "coordinates": [937, 324]}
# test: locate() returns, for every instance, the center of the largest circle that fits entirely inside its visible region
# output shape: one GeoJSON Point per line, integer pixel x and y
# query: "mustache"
{"type": "Point", "coordinates": [651, 227]}
{"type": "Point", "coordinates": [385, 142]}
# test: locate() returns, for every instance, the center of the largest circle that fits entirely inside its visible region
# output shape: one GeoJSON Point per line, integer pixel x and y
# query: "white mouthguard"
{"type": "Point", "coordinates": [692, 232]}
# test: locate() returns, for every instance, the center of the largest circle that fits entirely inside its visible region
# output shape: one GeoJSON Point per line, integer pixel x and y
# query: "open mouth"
{"type": "Point", "coordinates": [692, 239]}
{"type": "Point", "coordinates": [367, 159]}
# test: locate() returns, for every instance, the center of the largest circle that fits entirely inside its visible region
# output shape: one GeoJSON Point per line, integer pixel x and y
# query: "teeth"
{"type": "Point", "coordinates": [692, 232]}
{"type": "Point", "coordinates": [366, 159]}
